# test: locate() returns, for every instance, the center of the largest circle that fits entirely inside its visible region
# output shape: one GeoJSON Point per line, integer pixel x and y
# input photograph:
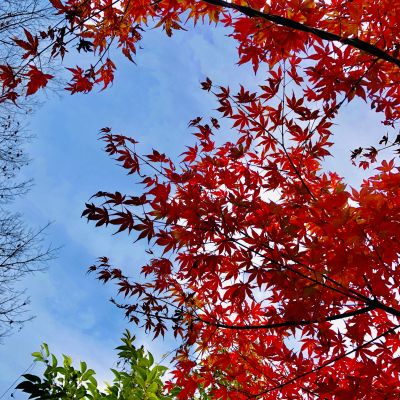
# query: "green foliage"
{"type": "Point", "coordinates": [138, 378]}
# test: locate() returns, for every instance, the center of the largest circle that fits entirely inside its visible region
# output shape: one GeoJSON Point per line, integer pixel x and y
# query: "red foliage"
{"type": "Point", "coordinates": [281, 281]}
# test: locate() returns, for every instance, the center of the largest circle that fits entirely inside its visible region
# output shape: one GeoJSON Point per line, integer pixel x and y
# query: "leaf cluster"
{"type": "Point", "coordinates": [137, 378]}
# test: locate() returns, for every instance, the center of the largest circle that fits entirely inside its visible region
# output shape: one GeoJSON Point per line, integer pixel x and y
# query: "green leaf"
{"type": "Point", "coordinates": [151, 359]}
{"type": "Point", "coordinates": [38, 355]}
{"type": "Point", "coordinates": [161, 369]}
{"type": "Point", "coordinates": [67, 360]}
{"type": "Point", "coordinates": [32, 378]}
{"type": "Point", "coordinates": [92, 380]}
{"type": "Point", "coordinates": [88, 374]}
{"type": "Point", "coordinates": [140, 381]}
{"type": "Point", "coordinates": [153, 388]}
{"type": "Point", "coordinates": [46, 349]}
{"type": "Point", "coordinates": [54, 361]}
{"type": "Point", "coordinates": [83, 366]}
{"type": "Point", "coordinates": [116, 373]}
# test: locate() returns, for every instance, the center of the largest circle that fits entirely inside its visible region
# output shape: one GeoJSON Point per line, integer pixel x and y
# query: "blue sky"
{"type": "Point", "coordinates": [153, 102]}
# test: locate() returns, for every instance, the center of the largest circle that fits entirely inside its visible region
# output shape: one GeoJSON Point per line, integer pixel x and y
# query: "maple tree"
{"type": "Point", "coordinates": [281, 281]}
{"type": "Point", "coordinates": [278, 278]}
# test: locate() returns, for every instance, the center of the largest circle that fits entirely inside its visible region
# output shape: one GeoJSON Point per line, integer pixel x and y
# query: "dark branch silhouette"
{"type": "Point", "coordinates": [298, 26]}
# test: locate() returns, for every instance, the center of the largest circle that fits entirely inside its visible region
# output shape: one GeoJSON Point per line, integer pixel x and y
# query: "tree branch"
{"type": "Point", "coordinates": [292, 323]}
{"type": "Point", "coordinates": [329, 36]}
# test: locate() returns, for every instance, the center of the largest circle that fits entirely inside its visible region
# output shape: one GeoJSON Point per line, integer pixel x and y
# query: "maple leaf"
{"type": "Point", "coordinates": [8, 77]}
{"type": "Point", "coordinates": [106, 73]}
{"type": "Point", "coordinates": [37, 80]}
{"type": "Point", "coordinates": [58, 5]}
{"type": "Point", "coordinates": [81, 81]}
{"type": "Point", "coordinates": [31, 45]}
{"type": "Point", "coordinates": [207, 84]}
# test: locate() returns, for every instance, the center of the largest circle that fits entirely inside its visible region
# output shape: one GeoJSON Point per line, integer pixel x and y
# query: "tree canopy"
{"type": "Point", "coordinates": [281, 281]}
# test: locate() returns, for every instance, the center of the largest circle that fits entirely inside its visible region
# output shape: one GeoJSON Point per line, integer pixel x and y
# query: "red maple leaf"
{"type": "Point", "coordinates": [37, 80]}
